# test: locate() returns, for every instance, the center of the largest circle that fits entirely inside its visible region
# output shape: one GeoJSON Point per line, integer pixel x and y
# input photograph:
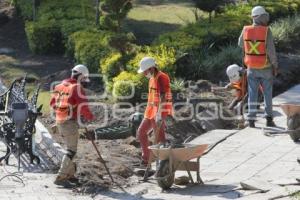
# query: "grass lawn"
{"type": "Point", "coordinates": [9, 73]}
{"type": "Point", "coordinates": [147, 22]}
{"type": "Point", "coordinates": [171, 13]}
{"type": "Point", "coordinates": [44, 98]}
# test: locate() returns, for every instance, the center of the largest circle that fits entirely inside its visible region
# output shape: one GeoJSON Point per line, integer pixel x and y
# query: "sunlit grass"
{"type": "Point", "coordinates": [44, 98]}
{"type": "Point", "coordinates": [171, 13]}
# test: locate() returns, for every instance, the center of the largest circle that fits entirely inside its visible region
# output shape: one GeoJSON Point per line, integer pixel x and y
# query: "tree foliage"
{"type": "Point", "coordinates": [114, 11]}
{"type": "Point", "coordinates": [208, 5]}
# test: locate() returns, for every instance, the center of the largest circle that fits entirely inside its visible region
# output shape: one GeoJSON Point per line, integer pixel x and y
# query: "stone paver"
{"type": "Point", "coordinates": [245, 155]}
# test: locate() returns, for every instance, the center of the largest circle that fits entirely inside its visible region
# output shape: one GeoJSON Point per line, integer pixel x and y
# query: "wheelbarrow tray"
{"type": "Point", "coordinates": [290, 109]}
{"type": "Point", "coordinates": [188, 152]}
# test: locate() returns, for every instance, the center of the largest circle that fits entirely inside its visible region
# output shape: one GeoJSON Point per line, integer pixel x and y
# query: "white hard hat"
{"type": "Point", "coordinates": [81, 69]}
{"type": "Point", "coordinates": [233, 72]}
{"type": "Point", "coordinates": [146, 63]}
{"type": "Point", "coordinates": [258, 10]}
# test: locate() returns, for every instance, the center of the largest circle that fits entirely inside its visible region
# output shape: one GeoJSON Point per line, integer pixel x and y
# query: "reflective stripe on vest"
{"type": "Point", "coordinates": [63, 109]}
{"type": "Point", "coordinates": [255, 46]}
{"type": "Point", "coordinates": [154, 99]}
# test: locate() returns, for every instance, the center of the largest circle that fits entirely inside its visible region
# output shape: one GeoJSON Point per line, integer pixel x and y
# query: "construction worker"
{"type": "Point", "coordinates": [260, 58]}
{"type": "Point", "coordinates": [67, 98]}
{"type": "Point", "coordinates": [238, 82]}
{"type": "Point", "coordinates": [159, 105]}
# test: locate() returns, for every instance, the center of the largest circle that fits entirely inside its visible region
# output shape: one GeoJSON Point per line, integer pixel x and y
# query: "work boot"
{"type": "Point", "coordinates": [141, 164]}
{"type": "Point", "coordinates": [74, 180]}
{"type": "Point", "coordinates": [64, 182]}
{"type": "Point", "coordinates": [250, 123]}
{"type": "Point", "coordinates": [270, 122]}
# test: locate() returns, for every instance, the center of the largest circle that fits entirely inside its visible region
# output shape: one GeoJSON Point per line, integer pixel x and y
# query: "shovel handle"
{"type": "Point", "coordinates": [101, 159]}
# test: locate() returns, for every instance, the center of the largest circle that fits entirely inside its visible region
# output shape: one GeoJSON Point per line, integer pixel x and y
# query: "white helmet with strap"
{"type": "Point", "coordinates": [146, 63]}
{"type": "Point", "coordinates": [81, 69]}
{"type": "Point", "coordinates": [258, 10]}
{"type": "Point", "coordinates": [233, 72]}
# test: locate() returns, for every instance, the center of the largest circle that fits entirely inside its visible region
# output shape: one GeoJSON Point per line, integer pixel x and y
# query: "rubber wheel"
{"type": "Point", "coordinates": [295, 136]}
{"type": "Point", "coordinates": [163, 171]}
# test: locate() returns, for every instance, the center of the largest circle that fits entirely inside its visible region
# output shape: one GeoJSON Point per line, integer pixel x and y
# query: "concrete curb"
{"type": "Point", "coordinates": [45, 141]}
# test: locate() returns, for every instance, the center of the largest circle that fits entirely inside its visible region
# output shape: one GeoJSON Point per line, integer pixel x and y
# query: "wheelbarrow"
{"type": "Point", "coordinates": [292, 112]}
{"type": "Point", "coordinates": [174, 158]}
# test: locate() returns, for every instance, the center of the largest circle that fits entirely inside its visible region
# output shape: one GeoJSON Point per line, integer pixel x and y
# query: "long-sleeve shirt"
{"type": "Point", "coordinates": [78, 100]}
{"type": "Point", "coordinates": [270, 47]}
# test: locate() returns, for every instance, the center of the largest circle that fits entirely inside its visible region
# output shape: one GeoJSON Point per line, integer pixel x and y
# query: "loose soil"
{"type": "Point", "coordinates": [121, 154]}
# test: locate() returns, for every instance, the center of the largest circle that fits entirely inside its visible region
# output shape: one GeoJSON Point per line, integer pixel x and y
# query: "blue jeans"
{"type": "Point", "coordinates": [265, 79]}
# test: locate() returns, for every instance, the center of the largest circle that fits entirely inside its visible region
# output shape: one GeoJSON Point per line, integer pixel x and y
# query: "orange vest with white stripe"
{"type": "Point", "coordinates": [241, 86]}
{"type": "Point", "coordinates": [154, 98]}
{"type": "Point", "coordinates": [63, 109]}
{"type": "Point", "coordinates": [255, 46]}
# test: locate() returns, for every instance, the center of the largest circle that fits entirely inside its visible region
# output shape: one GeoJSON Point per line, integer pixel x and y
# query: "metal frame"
{"type": "Point", "coordinates": [17, 94]}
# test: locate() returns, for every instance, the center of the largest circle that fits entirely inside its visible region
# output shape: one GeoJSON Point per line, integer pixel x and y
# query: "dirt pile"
{"type": "Point", "coordinates": [124, 154]}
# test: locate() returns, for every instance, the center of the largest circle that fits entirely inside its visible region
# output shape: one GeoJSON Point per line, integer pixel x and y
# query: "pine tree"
{"type": "Point", "coordinates": [208, 5]}
{"type": "Point", "coordinates": [114, 12]}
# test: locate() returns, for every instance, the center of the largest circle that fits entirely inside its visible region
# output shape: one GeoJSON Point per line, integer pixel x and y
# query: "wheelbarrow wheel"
{"type": "Point", "coordinates": [165, 178]}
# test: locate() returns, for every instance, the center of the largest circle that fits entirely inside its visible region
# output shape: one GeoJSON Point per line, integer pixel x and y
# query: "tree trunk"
{"type": "Point", "coordinates": [210, 17]}
{"type": "Point", "coordinates": [33, 10]}
{"type": "Point", "coordinates": [97, 12]}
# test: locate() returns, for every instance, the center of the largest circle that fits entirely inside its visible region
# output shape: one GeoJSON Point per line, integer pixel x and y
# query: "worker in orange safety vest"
{"type": "Point", "coordinates": [238, 82]}
{"type": "Point", "coordinates": [260, 59]}
{"type": "Point", "coordinates": [69, 104]}
{"type": "Point", "coordinates": [159, 105]}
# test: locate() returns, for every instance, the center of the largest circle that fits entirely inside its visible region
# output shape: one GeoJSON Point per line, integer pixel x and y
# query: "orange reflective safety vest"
{"type": "Point", "coordinates": [154, 98]}
{"type": "Point", "coordinates": [241, 87]}
{"type": "Point", "coordinates": [63, 109]}
{"type": "Point", "coordinates": [255, 46]}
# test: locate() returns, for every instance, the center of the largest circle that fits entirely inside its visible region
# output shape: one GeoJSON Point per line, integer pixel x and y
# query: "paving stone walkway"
{"type": "Point", "coordinates": [248, 156]}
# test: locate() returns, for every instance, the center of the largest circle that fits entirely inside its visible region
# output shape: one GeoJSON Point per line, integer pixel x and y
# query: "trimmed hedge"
{"type": "Point", "coordinates": [56, 21]}
{"type": "Point", "coordinates": [88, 47]}
{"type": "Point", "coordinates": [44, 37]}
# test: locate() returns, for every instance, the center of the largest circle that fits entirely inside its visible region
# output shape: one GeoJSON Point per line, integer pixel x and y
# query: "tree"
{"type": "Point", "coordinates": [97, 12]}
{"type": "Point", "coordinates": [208, 5]}
{"type": "Point", "coordinates": [114, 12]}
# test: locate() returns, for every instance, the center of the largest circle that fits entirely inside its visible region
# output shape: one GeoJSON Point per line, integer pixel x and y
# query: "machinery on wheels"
{"type": "Point", "coordinates": [18, 114]}
{"type": "Point", "coordinates": [292, 112]}
{"type": "Point", "coordinates": [177, 157]}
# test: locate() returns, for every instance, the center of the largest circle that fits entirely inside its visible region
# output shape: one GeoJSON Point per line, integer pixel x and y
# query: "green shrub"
{"type": "Point", "coordinates": [165, 59]}
{"type": "Point", "coordinates": [226, 27]}
{"type": "Point", "coordinates": [68, 27]}
{"type": "Point", "coordinates": [195, 36]}
{"type": "Point", "coordinates": [123, 86]}
{"type": "Point", "coordinates": [215, 64]}
{"type": "Point", "coordinates": [44, 37]}
{"type": "Point", "coordinates": [24, 8]}
{"type": "Point", "coordinates": [111, 66]}
{"type": "Point", "coordinates": [88, 47]}
{"type": "Point", "coordinates": [286, 32]}
{"type": "Point", "coordinates": [177, 85]}
{"type": "Point", "coordinates": [65, 9]}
